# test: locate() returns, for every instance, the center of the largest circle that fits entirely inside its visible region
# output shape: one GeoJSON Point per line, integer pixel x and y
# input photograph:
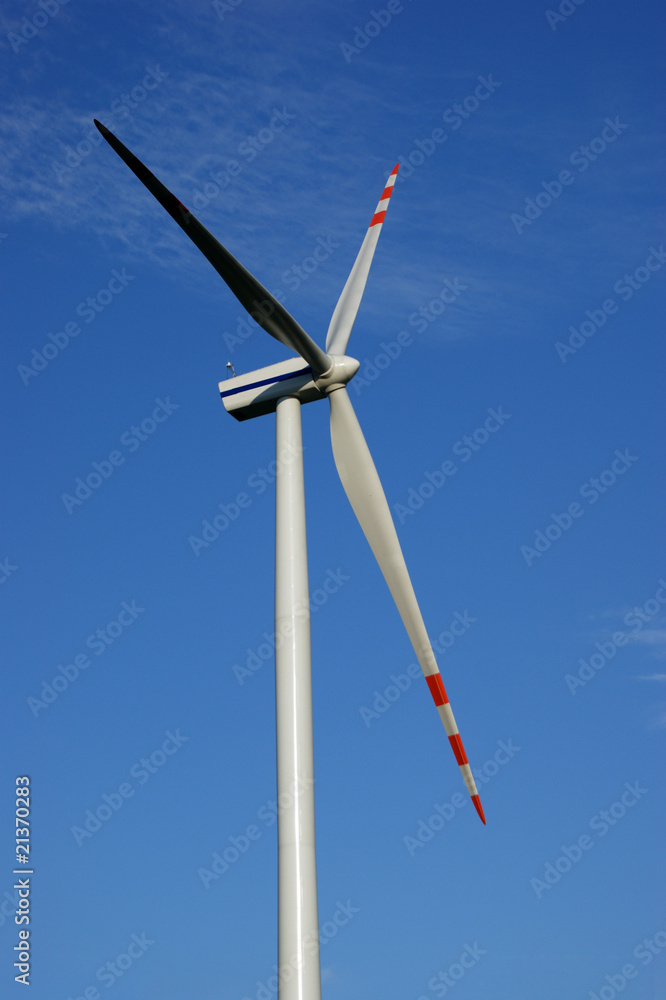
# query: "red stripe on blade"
{"type": "Point", "coordinates": [377, 218]}
{"type": "Point", "coordinates": [479, 808]}
{"type": "Point", "coordinates": [436, 685]}
{"type": "Point", "coordinates": [387, 192]}
{"type": "Point", "coordinates": [458, 749]}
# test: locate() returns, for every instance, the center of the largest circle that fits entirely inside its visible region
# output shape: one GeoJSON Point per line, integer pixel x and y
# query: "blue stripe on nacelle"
{"type": "Point", "coordinates": [267, 381]}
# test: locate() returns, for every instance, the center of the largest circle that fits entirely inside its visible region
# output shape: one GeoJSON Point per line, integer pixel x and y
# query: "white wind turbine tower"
{"type": "Point", "coordinates": [283, 388]}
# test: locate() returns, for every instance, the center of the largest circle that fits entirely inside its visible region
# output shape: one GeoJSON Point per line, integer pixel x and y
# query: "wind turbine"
{"type": "Point", "coordinates": [282, 388]}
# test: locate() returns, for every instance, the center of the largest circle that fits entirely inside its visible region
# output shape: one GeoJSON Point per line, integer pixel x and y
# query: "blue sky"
{"type": "Point", "coordinates": [520, 273]}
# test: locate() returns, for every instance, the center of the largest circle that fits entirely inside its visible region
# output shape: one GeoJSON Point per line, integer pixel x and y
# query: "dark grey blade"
{"type": "Point", "coordinates": [261, 305]}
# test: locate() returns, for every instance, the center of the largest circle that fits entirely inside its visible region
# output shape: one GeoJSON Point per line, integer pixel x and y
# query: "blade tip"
{"type": "Point", "coordinates": [479, 808]}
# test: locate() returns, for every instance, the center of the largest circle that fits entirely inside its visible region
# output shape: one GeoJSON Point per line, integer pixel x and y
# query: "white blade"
{"type": "Point", "coordinates": [363, 488]}
{"type": "Point", "coordinates": [345, 311]}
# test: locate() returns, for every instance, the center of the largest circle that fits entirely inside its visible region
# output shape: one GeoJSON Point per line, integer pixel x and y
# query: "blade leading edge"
{"type": "Point", "coordinates": [257, 300]}
{"type": "Point", "coordinates": [365, 493]}
{"type": "Point", "coordinates": [343, 317]}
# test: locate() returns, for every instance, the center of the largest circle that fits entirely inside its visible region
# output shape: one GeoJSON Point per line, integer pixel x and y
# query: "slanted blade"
{"type": "Point", "coordinates": [345, 311]}
{"type": "Point", "coordinates": [366, 495]}
{"type": "Point", "coordinates": [261, 305]}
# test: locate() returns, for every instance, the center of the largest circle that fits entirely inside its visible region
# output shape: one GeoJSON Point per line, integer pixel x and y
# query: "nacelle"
{"type": "Point", "coordinates": [258, 392]}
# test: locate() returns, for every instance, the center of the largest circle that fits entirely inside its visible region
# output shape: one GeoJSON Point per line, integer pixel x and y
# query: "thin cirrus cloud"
{"type": "Point", "coordinates": [655, 638]}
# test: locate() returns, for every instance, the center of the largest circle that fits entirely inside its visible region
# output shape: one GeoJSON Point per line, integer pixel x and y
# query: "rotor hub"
{"type": "Point", "coordinates": [341, 371]}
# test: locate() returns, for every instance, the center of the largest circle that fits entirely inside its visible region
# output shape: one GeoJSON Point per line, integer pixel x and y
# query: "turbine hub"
{"type": "Point", "coordinates": [341, 371]}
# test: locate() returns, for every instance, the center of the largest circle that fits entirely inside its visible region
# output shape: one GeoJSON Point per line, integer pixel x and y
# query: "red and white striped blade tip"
{"type": "Point", "coordinates": [380, 211]}
{"type": "Point", "coordinates": [441, 699]}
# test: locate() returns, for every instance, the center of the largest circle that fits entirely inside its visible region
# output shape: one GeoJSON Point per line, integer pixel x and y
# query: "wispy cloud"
{"type": "Point", "coordinates": [655, 637]}
{"type": "Point", "coordinates": [658, 721]}
{"type": "Point", "coordinates": [453, 211]}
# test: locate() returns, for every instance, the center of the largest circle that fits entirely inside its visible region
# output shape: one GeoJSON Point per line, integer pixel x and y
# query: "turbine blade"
{"type": "Point", "coordinates": [257, 300]}
{"type": "Point", "coordinates": [345, 311]}
{"type": "Point", "coordinates": [366, 495]}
